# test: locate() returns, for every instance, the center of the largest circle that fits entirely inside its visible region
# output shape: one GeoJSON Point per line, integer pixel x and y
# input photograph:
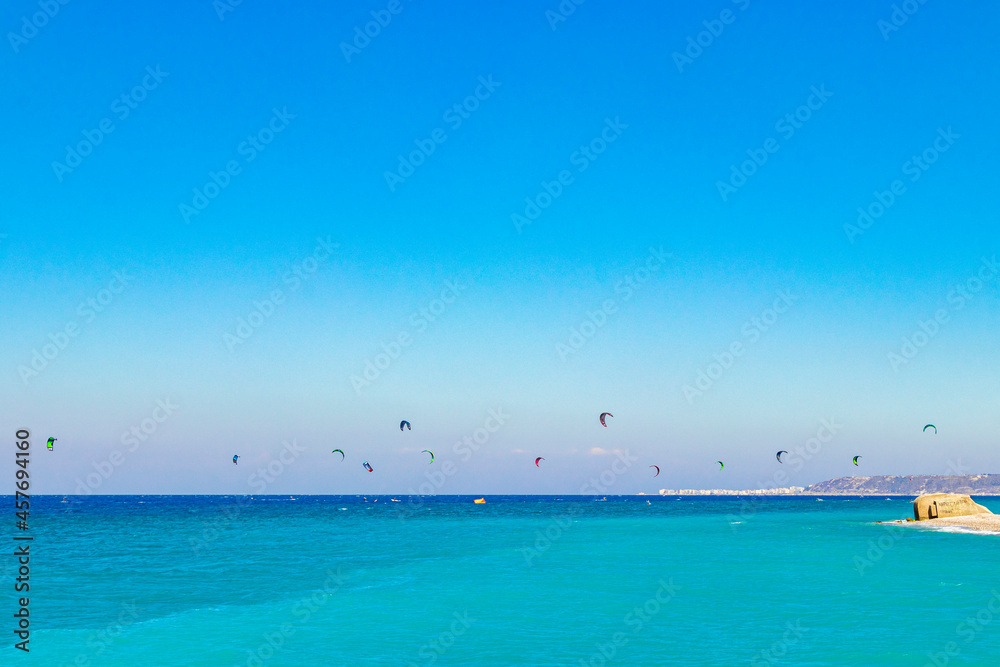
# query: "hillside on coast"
{"type": "Point", "coordinates": [908, 485]}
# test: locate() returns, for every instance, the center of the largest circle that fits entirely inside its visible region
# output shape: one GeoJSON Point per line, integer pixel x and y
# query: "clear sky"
{"type": "Point", "coordinates": [670, 171]}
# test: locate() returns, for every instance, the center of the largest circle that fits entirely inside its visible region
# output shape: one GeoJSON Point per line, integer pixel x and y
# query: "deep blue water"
{"type": "Point", "coordinates": [637, 580]}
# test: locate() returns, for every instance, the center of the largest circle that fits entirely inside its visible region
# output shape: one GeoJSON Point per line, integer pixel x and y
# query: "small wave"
{"type": "Point", "coordinates": [963, 529]}
{"type": "Point", "coordinates": [945, 528]}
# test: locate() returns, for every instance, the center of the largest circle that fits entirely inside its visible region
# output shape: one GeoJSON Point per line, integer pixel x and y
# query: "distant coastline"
{"type": "Point", "coordinates": [786, 491]}
{"type": "Point", "coordinates": [885, 485]}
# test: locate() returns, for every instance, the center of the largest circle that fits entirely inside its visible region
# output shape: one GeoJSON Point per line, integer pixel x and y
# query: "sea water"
{"type": "Point", "coordinates": [519, 580]}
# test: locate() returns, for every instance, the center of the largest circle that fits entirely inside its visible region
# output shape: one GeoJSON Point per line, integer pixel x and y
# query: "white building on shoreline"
{"type": "Point", "coordinates": [783, 491]}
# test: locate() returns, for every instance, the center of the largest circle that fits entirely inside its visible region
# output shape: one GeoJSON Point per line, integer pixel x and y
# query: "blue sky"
{"type": "Point", "coordinates": [641, 126]}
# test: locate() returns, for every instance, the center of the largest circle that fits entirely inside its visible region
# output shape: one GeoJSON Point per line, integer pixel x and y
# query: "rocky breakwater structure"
{"type": "Point", "coordinates": [951, 511]}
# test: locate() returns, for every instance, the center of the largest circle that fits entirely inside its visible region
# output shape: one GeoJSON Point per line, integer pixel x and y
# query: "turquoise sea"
{"type": "Point", "coordinates": [520, 580]}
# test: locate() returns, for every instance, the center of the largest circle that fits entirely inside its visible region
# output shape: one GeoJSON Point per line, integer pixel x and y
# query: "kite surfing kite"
{"type": "Point", "coordinates": [49, 443]}
{"type": "Point", "coordinates": [657, 470]}
{"type": "Point", "coordinates": [537, 460]}
{"type": "Point", "coordinates": [342, 454]}
{"type": "Point", "coordinates": [603, 415]}
{"type": "Point", "coordinates": [367, 466]}
{"type": "Point", "coordinates": [931, 426]}
{"type": "Point", "coordinates": [429, 452]}
{"type": "Point", "coordinates": [404, 423]}
{"type": "Point", "coordinates": [778, 455]}
{"type": "Point", "coordinates": [856, 459]}
{"type": "Point", "coordinates": [721, 465]}
{"type": "Point", "coordinates": [235, 457]}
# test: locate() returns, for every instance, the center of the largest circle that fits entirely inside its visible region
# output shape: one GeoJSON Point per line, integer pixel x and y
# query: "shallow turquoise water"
{"type": "Point", "coordinates": [518, 581]}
